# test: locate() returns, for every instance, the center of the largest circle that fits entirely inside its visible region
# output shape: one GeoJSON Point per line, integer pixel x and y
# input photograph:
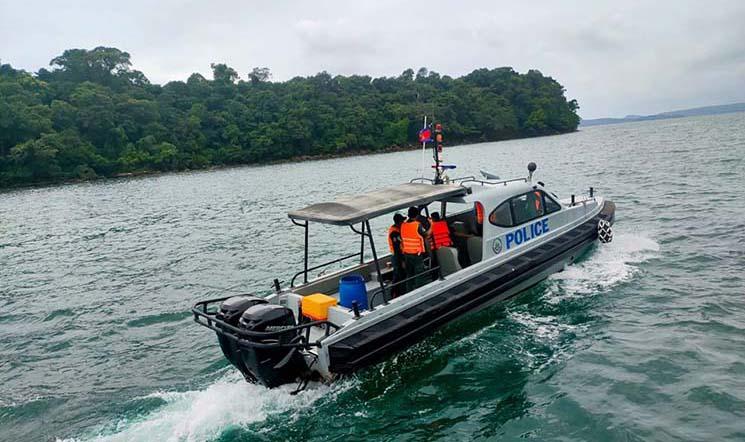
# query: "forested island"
{"type": "Point", "coordinates": [91, 115]}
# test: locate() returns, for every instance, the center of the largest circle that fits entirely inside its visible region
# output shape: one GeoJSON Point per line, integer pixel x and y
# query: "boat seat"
{"type": "Point", "coordinates": [474, 246]}
{"type": "Point", "coordinates": [460, 227]}
{"type": "Point", "coordinates": [447, 257]}
{"type": "Point", "coordinates": [386, 273]}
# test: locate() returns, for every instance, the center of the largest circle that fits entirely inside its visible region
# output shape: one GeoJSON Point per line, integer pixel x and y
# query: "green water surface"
{"type": "Point", "coordinates": [644, 339]}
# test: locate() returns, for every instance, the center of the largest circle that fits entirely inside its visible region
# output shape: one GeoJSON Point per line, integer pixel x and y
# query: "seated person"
{"type": "Point", "coordinates": [440, 232]}
{"type": "Point", "coordinates": [465, 228]}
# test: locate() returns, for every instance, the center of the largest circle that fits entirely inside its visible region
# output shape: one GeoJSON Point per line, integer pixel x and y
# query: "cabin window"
{"type": "Point", "coordinates": [523, 208]}
{"type": "Point", "coordinates": [501, 216]}
{"type": "Point", "coordinates": [551, 205]}
{"type": "Point", "coordinates": [527, 207]}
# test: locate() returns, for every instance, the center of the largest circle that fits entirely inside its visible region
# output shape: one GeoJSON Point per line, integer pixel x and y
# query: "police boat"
{"type": "Point", "coordinates": [506, 237]}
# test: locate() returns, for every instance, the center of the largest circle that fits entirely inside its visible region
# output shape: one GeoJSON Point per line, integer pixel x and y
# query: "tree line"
{"type": "Point", "coordinates": [91, 115]}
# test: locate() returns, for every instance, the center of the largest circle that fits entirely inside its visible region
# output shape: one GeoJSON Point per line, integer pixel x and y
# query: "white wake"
{"type": "Point", "coordinates": [204, 414]}
{"type": "Point", "coordinates": [608, 265]}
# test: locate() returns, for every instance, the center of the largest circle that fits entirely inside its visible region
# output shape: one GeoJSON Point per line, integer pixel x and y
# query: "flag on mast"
{"type": "Point", "coordinates": [425, 135]}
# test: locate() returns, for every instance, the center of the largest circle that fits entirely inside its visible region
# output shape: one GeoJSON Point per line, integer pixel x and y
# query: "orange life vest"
{"type": "Point", "coordinates": [392, 229]}
{"type": "Point", "coordinates": [441, 234]}
{"type": "Point", "coordinates": [537, 201]}
{"type": "Point", "coordinates": [412, 242]}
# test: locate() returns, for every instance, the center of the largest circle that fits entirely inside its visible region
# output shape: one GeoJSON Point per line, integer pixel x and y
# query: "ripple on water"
{"type": "Point", "coordinates": [144, 321]}
{"type": "Point", "coordinates": [643, 339]}
{"type": "Point", "coordinates": [59, 314]}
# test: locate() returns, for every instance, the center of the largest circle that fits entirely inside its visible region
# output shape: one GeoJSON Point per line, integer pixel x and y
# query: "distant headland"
{"type": "Point", "coordinates": [696, 111]}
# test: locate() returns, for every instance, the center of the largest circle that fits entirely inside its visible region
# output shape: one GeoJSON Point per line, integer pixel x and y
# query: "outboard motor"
{"type": "Point", "coordinates": [272, 366]}
{"type": "Point", "coordinates": [230, 312]}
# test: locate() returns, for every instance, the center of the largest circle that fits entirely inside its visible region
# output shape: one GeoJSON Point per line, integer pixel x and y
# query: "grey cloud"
{"type": "Point", "coordinates": [631, 57]}
{"type": "Point", "coordinates": [338, 37]}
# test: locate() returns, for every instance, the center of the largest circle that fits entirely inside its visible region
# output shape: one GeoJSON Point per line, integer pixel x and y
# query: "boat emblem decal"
{"type": "Point", "coordinates": [497, 246]}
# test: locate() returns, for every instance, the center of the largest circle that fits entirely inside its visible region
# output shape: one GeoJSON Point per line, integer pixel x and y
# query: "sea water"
{"type": "Point", "coordinates": [642, 339]}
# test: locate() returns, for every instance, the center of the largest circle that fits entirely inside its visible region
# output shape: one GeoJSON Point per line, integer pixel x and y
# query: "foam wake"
{"type": "Point", "coordinates": [204, 414]}
{"type": "Point", "coordinates": [608, 265]}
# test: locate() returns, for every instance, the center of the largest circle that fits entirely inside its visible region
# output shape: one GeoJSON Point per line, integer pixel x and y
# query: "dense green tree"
{"type": "Point", "coordinates": [91, 115]}
{"type": "Point", "coordinates": [258, 75]}
{"type": "Point", "coordinates": [223, 73]}
{"type": "Point", "coordinates": [102, 65]}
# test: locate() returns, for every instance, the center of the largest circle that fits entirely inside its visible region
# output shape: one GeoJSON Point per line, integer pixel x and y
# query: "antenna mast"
{"type": "Point", "coordinates": [437, 152]}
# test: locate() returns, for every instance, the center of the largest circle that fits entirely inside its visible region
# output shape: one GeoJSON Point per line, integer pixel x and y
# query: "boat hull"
{"type": "Point", "coordinates": [492, 286]}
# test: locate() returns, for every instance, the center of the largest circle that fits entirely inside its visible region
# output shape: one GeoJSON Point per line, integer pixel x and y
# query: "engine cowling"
{"type": "Point", "coordinates": [272, 366]}
{"type": "Point", "coordinates": [230, 312]}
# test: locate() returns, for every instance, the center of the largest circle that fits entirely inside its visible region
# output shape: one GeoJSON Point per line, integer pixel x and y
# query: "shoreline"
{"type": "Point", "coordinates": [214, 167]}
{"type": "Point", "coordinates": [296, 159]}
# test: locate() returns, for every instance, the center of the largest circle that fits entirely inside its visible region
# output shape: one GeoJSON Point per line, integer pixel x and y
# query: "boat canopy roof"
{"type": "Point", "coordinates": [349, 210]}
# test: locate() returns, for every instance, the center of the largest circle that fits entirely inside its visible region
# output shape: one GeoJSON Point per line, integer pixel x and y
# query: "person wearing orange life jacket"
{"type": "Point", "coordinates": [532, 206]}
{"type": "Point", "coordinates": [537, 202]}
{"type": "Point", "coordinates": [397, 256]}
{"type": "Point", "coordinates": [440, 232]}
{"type": "Point", "coordinates": [414, 247]}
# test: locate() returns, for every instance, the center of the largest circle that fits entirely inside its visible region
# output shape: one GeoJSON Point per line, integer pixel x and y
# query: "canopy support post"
{"type": "Point", "coordinates": [377, 264]}
{"type": "Point", "coordinates": [362, 244]}
{"type": "Point", "coordinates": [305, 268]}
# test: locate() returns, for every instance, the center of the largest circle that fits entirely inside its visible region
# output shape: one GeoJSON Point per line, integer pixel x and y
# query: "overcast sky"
{"type": "Point", "coordinates": [615, 58]}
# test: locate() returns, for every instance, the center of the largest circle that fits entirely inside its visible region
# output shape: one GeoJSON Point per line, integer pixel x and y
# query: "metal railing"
{"type": "Point", "coordinates": [422, 180]}
{"type": "Point", "coordinates": [487, 182]}
{"type": "Point", "coordinates": [248, 338]}
{"type": "Point", "coordinates": [458, 181]}
{"type": "Point", "coordinates": [470, 179]}
{"type": "Point", "coordinates": [302, 272]}
{"type": "Point", "coordinates": [388, 288]}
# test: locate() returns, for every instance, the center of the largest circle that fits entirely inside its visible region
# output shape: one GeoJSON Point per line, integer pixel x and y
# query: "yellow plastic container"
{"type": "Point", "coordinates": [316, 306]}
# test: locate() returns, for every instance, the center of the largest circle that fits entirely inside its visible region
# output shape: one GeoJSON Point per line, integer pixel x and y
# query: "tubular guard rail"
{"type": "Point", "coordinates": [465, 180]}
{"type": "Point", "coordinates": [469, 179]}
{"type": "Point", "coordinates": [243, 337]}
{"type": "Point", "coordinates": [388, 288]}
{"type": "Point", "coordinates": [320, 266]}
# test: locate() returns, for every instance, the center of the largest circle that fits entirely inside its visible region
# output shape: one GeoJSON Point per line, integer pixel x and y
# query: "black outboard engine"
{"type": "Point", "coordinates": [230, 312]}
{"type": "Point", "coordinates": [272, 366]}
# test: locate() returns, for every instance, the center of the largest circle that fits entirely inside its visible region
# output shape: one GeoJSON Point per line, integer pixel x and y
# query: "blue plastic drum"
{"type": "Point", "coordinates": [352, 288]}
